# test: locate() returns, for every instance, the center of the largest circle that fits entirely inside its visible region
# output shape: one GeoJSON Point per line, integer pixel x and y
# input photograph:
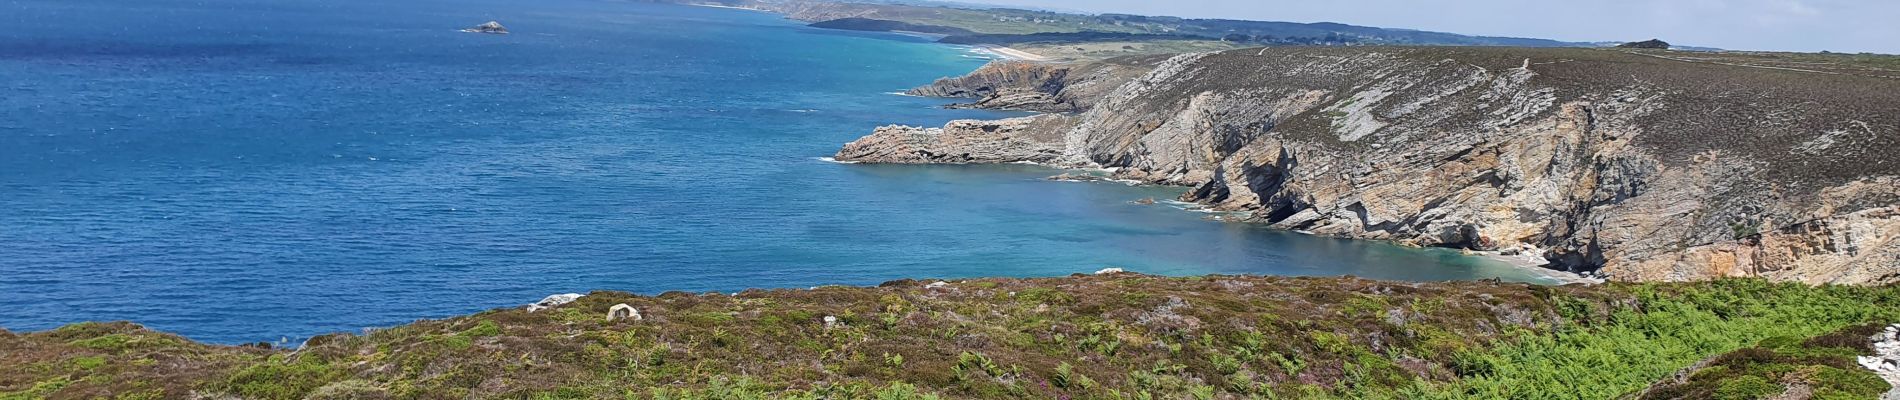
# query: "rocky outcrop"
{"type": "Point", "coordinates": [1005, 85]}
{"type": "Point", "coordinates": [490, 27]}
{"type": "Point", "coordinates": [1646, 44]}
{"type": "Point", "coordinates": [1886, 359]}
{"type": "Point", "coordinates": [554, 301]}
{"type": "Point", "coordinates": [1602, 161]}
{"type": "Point", "coordinates": [1034, 86]}
{"type": "Point", "coordinates": [1028, 139]}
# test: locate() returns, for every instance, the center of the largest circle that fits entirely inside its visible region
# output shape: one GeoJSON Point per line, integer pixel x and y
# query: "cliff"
{"type": "Point", "coordinates": [1112, 335]}
{"type": "Point", "coordinates": [1632, 165]}
{"type": "Point", "coordinates": [878, 25]}
{"type": "Point", "coordinates": [1044, 87]}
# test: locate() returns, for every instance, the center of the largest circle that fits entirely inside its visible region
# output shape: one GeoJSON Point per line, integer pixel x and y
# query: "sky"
{"type": "Point", "coordinates": [1784, 25]}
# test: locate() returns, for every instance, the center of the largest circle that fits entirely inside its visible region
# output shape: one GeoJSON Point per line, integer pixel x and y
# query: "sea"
{"type": "Point", "coordinates": [266, 170]}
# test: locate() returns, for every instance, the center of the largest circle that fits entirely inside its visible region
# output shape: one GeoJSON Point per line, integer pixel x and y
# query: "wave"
{"type": "Point", "coordinates": [833, 160]}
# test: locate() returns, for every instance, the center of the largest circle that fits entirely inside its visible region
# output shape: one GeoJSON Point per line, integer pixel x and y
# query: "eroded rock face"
{"type": "Point", "coordinates": [1027, 139]}
{"type": "Point", "coordinates": [1034, 86]}
{"type": "Point", "coordinates": [1634, 167]}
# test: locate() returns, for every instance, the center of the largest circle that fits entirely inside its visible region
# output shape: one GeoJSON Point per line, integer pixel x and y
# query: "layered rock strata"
{"type": "Point", "coordinates": [1605, 162]}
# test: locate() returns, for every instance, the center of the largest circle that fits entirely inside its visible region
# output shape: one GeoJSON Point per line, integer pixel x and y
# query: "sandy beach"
{"type": "Point", "coordinates": [1014, 54]}
{"type": "Point", "coordinates": [1530, 262]}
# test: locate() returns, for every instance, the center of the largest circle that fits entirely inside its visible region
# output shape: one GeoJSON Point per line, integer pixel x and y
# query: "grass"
{"type": "Point", "coordinates": [1823, 365]}
{"type": "Point", "coordinates": [1111, 337]}
{"type": "Point", "coordinates": [1633, 347]}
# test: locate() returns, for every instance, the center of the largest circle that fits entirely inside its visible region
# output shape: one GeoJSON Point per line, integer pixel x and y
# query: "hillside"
{"type": "Point", "coordinates": [1634, 165]}
{"type": "Point", "coordinates": [1110, 336]}
{"type": "Point", "coordinates": [1101, 35]}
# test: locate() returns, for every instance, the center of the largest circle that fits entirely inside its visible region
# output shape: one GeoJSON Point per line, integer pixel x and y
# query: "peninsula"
{"type": "Point", "coordinates": [1628, 164]}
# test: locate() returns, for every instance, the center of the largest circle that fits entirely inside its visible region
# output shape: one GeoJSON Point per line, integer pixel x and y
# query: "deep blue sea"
{"type": "Point", "coordinates": [247, 170]}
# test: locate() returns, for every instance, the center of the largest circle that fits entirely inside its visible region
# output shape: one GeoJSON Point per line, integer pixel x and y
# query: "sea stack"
{"type": "Point", "coordinates": [491, 27]}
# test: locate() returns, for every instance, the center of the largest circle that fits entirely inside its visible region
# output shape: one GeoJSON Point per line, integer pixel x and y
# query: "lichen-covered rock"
{"type": "Point", "coordinates": [1606, 162]}
{"type": "Point", "coordinates": [554, 301]}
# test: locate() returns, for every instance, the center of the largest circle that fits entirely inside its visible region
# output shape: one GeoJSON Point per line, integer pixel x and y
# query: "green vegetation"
{"type": "Point", "coordinates": [1100, 36]}
{"type": "Point", "coordinates": [1112, 337]}
{"type": "Point", "coordinates": [1823, 365]}
{"type": "Point", "coordinates": [1630, 347]}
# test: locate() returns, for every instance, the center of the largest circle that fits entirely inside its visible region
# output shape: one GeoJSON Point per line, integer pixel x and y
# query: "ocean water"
{"type": "Point", "coordinates": [245, 170]}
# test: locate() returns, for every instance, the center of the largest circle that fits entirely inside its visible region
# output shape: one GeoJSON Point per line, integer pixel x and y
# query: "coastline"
{"type": "Point", "coordinates": [1012, 54]}
{"type": "Point", "coordinates": [1522, 261]}
{"type": "Point", "coordinates": [1004, 52]}
{"type": "Point", "coordinates": [1536, 264]}
{"type": "Point", "coordinates": [728, 7]}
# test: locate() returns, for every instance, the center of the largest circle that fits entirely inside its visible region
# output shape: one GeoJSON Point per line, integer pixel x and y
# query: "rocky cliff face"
{"type": "Point", "coordinates": [964, 141]}
{"type": "Point", "coordinates": [1031, 86]}
{"type": "Point", "coordinates": [1629, 165]}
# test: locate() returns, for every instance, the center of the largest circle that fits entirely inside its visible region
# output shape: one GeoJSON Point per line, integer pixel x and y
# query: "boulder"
{"type": "Point", "coordinates": [623, 311]}
{"type": "Point", "coordinates": [552, 301]}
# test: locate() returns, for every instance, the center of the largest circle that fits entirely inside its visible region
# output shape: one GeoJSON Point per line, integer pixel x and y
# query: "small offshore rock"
{"type": "Point", "coordinates": [490, 27]}
{"type": "Point", "coordinates": [1077, 178]}
{"type": "Point", "coordinates": [1146, 202]}
{"type": "Point", "coordinates": [553, 301]}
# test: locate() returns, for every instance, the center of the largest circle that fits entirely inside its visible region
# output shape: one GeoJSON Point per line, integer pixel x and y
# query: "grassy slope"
{"type": "Point", "coordinates": [1123, 336]}
{"type": "Point", "coordinates": [1823, 366]}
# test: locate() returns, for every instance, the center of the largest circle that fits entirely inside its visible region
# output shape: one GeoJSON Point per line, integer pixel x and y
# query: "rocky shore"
{"type": "Point", "coordinates": [1609, 163]}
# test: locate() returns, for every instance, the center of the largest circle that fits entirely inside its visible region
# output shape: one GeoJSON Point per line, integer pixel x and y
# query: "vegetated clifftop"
{"type": "Point", "coordinates": [1031, 86]}
{"type": "Point", "coordinates": [878, 25]}
{"type": "Point", "coordinates": [1106, 336]}
{"type": "Point", "coordinates": [1634, 165]}
{"type": "Point", "coordinates": [1786, 367]}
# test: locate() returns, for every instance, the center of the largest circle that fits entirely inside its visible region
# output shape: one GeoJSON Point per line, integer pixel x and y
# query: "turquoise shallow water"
{"type": "Point", "coordinates": [241, 170]}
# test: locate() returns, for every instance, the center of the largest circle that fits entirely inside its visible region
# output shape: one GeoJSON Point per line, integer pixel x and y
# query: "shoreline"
{"type": "Point", "coordinates": [1536, 264]}
{"type": "Point", "coordinates": [1521, 261]}
{"type": "Point", "coordinates": [1008, 53]}
{"type": "Point", "coordinates": [727, 7]}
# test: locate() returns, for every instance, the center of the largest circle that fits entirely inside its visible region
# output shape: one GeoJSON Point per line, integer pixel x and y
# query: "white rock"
{"type": "Point", "coordinates": [1106, 271]}
{"type": "Point", "coordinates": [1886, 359]}
{"type": "Point", "coordinates": [624, 311]}
{"type": "Point", "coordinates": [552, 301]}
{"type": "Point", "coordinates": [937, 285]}
{"type": "Point", "coordinates": [831, 322]}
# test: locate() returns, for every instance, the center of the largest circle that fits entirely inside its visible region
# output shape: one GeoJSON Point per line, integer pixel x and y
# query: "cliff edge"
{"type": "Point", "coordinates": [1626, 164]}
